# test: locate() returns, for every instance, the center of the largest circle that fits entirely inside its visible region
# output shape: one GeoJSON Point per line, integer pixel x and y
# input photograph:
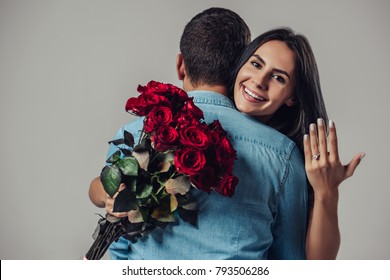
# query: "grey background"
{"type": "Point", "coordinates": [68, 67]}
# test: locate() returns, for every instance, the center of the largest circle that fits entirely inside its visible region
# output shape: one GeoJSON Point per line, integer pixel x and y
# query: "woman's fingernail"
{"type": "Point", "coordinates": [312, 127]}
{"type": "Point", "coordinates": [331, 124]}
{"type": "Point", "coordinates": [362, 156]}
{"type": "Point", "coordinates": [305, 137]}
{"type": "Point", "coordinates": [320, 122]}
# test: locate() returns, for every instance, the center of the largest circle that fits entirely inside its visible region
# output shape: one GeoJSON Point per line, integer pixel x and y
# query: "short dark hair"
{"type": "Point", "coordinates": [211, 44]}
{"type": "Point", "coordinates": [293, 121]}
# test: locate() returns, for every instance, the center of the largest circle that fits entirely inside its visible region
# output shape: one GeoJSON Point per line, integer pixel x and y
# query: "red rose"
{"type": "Point", "coordinates": [225, 149]}
{"type": "Point", "coordinates": [227, 185]}
{"type": "Point", "coordinates": [194, 136]}
{"type": "Point", "coordinates": [136, 106]}
{"type": "Point", "coordinates": [176, 95]}
{"type": "Point", "coordinates": [154, 87]}
{"type": "Point", "coordinates": [191, 109]}
{"type": "Point", "coordinates": [165, 138]}
{"type": "Point", "coordinates": [189, 161]}
{"type": "Point", "coordinates": [217, 127]}
{"type": "Point", "coordinates": [205, 180]}
{"type": "Point", "coordinates": [183, 119]}
{"type": "Point", "coordinates": [143, 104]}
{"type": "Point", "coordinates": [216, 131]}
{"type": "Point", "coordinates": [159, 116]}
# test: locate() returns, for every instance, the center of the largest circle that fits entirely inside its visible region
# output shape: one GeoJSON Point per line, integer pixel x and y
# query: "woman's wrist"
{"type": "Point", "coordinates": [328, 197]}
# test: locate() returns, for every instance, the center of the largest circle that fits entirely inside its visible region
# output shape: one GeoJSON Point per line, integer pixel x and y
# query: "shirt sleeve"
{"type": "Point", "coordinates": [134, 127]}
{"type": "Point", "coordinates": [113, 148]}
{"type": "Point", "coordinates": [290, 223]}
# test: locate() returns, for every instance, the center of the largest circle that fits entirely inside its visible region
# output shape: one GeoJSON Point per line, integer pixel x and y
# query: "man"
{"type": "Point", "coordinates": [266, 217]}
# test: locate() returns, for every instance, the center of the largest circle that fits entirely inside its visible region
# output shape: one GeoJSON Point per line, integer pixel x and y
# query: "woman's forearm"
{"type": "Point", "coordinates": [323, 235]}
{"type": "Point", "coordinates": [97, 194]}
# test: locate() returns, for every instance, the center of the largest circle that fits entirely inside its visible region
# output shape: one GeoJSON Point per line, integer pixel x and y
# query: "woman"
{"type": "Point", "coordinates": [277, 82]}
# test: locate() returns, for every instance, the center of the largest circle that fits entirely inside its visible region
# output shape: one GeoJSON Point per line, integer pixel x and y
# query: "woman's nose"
{"type": "Point", "coordinates": [261, 81]}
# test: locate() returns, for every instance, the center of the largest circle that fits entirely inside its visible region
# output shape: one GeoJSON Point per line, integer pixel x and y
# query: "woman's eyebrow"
{"type": "Point", "coordinates": [274, 69]}
{"type": "Point", "coordinates": [259, 58]}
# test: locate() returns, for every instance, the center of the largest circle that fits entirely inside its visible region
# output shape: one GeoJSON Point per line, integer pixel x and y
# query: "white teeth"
{"type": "Point", "coordinates": [253, 95]}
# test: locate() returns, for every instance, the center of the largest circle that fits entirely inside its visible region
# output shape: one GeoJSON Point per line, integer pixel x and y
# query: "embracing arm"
{"type": "Point", "coordinates": [100, 198]}
{"type": "Point", "coordinates": [325, 174]}
{"type": "Point", "coordinates": [97, 194]}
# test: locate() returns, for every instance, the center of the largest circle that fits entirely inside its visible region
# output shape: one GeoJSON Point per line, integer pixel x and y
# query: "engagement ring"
{"type": "Point", "coordinates": [316, 157]}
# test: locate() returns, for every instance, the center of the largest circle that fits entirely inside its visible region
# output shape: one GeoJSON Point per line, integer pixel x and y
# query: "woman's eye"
{"type": "Point", "coordinates": [280, 79]}
{"type": "Point", "coordinates": [256, 64]}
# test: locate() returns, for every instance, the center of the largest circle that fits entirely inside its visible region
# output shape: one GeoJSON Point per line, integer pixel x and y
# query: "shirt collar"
{"type": "Point", "coordinates": [211, 97]}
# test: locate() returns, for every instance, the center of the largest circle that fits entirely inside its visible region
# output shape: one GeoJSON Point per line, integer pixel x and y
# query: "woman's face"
{"type": "Point", "coordinates": [266, 81]}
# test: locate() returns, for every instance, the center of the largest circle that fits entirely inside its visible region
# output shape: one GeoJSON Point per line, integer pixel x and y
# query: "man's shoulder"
{"type": "Point", "coordinates": [243, 128]}
{"type": "Point", "coordinates": [246, 129]}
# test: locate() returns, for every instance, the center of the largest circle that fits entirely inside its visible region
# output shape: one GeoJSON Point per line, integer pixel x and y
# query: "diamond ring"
{"type": "Point", "coordinates": [316, 156]}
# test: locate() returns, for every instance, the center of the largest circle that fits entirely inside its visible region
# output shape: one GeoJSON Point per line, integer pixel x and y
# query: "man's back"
{"type": "Point", "coordinates": [266, 217]}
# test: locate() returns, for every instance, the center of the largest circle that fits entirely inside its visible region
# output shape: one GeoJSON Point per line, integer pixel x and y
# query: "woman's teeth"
{"type": "Point", "coordinates": [254, 95]}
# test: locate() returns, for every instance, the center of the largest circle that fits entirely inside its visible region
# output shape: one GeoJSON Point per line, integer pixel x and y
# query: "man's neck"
{"type": "Point", "coordinates": [216, 88]}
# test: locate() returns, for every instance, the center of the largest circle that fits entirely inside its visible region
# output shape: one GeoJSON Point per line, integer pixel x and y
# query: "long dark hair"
{"type": "Point", "coordinates": [293, 121]}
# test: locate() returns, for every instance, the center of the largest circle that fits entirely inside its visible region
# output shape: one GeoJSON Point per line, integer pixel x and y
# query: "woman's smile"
{"type": "Point", "coordinates": [250, 95]}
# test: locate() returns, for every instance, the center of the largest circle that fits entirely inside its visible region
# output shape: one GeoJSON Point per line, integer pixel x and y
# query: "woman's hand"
{"type": "Point", "coordinates": [110, 204]}
{"type": "Point", "coordinates": [322, 163]}
{"type": "Point", "coordinates": [325, 173]}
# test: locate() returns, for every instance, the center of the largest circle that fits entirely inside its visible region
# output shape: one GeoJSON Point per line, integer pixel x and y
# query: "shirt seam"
{"type": "Point", "coordinates": [217, 102]}
{"type": "Point", "coordinates": [285, 154]}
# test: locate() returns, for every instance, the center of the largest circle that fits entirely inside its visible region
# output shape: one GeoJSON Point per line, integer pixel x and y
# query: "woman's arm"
{"type": "Point", "coordinates": [323, 235]}
{"type": "Point", "coordinates": [100, 198]}
{"type": "Point", "coordinates": [97, 194]}
{"type": "Point", "coordinates": [325, 173]}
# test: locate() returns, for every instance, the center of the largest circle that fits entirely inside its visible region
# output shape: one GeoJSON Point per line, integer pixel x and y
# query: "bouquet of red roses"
{"type": "Point", "coordinates": [177, 150]}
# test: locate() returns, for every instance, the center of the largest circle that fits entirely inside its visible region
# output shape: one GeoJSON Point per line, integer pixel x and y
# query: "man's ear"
{"type": "Point", "coordinates": [291, 102]}
{"type": "Point", "coordinates": [180, 68]}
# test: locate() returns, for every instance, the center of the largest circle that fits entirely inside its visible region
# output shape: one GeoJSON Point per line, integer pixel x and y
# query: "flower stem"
{"type": "Point", "coordinates": [108, 233]}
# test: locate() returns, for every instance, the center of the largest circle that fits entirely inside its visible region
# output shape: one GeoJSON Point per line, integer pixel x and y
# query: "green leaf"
{"type": "Point", "coordinates": [163, 215]}
{"type": "Point", "coordinates": [144, 212]}
{"type": "Point", "coordinates": [111, 179]}
{"type": "Point", "coordinates": [117, 142]}
{"type": "Point", "coordinates": [173, 202]}
{"type": "Point", "coordinates": [126, 152]}
{"type": "Point", "coordinates": [128, 166]}
{"type": "Point", "coordinates": [144, 146]}
{"type": "Point", "coordinates": [189, 216]}
{"type": "Point", "coordinates": [144, 191]}
{"type": "Point", "coordinates": [156, 199]}
{"type": "Point", "coordinates": [125, 201]}
{"type": "Point", "coordinates": [130, 182]}
{"type": "Point", "coordinates": [115, 157]}
{"type": "Point", "coordinates": [128, 138]}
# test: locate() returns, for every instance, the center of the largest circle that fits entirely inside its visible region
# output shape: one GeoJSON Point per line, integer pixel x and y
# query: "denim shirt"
{"type": "Point", "coordinates": [265, 219]}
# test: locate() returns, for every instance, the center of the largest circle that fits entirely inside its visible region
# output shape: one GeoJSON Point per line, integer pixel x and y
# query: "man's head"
{"type": "Point", "coordinates": [210, 46]}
